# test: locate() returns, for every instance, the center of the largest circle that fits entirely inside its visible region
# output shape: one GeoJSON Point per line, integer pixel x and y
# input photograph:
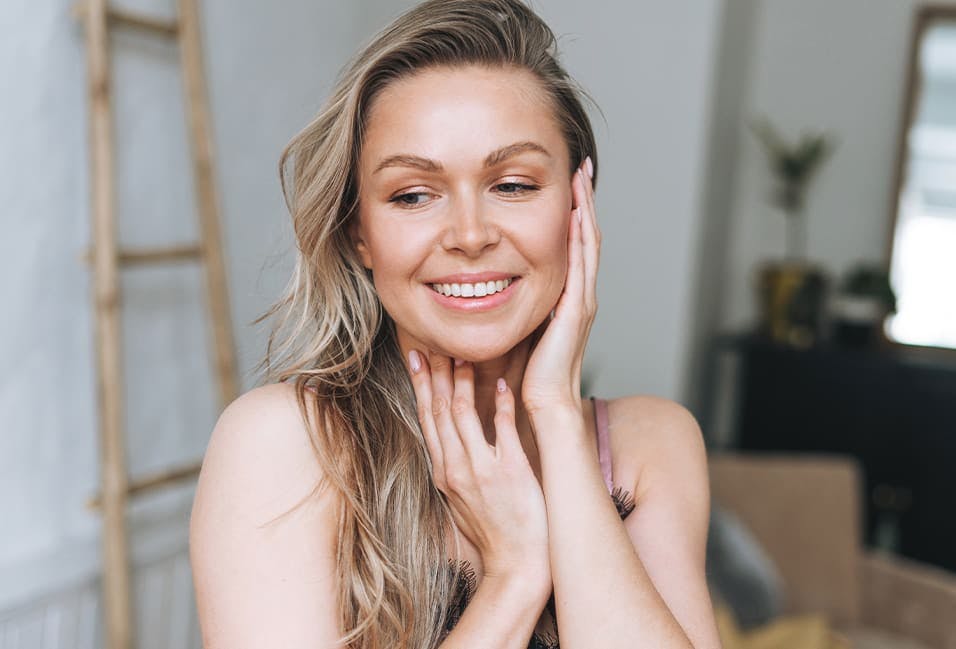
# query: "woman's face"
{"type": "Point", "coordinates": [464, 184]}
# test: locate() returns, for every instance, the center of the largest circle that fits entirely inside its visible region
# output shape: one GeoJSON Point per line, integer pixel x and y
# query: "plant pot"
{"type": "Point", "coordinates": [791, 298]}
{"type": "Point", "coordinates": [858, 320]}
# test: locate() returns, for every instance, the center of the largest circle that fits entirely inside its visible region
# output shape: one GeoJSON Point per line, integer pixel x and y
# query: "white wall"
{"type": "Point", "coordinates": [733, 64]}
{"type": "Point", "coordinates": [649, 65]}
{"type": "Point", "coordinates": [268, 71]}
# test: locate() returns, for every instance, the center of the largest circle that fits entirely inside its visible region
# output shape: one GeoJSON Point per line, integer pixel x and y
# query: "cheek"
{"type": "Point", "coordinates": [559, 253]}
{"type": "Point", "coordinates": [396, 253]}
{"type": "Point", "coordinates": [555, 236]}
{"type": "Point", "coordinates": [391, 245]}
{"type": "Point", "coordinates": [548, 251]}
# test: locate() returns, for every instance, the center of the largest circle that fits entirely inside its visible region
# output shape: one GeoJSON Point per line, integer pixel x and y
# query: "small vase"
{"type": "Point", "coordinates": [791, 297]}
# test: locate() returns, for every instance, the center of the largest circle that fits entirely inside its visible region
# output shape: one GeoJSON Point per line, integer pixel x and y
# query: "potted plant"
{"type": "Point", "coordinates": [791, 292]}
{"type": "Point", "coordinates": [864, 300]}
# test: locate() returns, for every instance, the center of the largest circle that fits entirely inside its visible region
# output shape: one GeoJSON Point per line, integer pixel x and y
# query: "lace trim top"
{"type": "Point", "coordinates": [467, 581]}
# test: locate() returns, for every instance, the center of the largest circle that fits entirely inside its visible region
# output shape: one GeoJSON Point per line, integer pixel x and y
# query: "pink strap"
{"type": "Point", "coordinates": [604, 448]}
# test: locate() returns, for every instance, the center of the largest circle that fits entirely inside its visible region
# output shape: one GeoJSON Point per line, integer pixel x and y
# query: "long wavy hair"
{"type": "Point", "coordinates": [333, 340]}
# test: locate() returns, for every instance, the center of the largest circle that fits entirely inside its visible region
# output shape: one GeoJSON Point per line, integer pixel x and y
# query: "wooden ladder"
{"type": "Point", "coordinates": [107, 260]}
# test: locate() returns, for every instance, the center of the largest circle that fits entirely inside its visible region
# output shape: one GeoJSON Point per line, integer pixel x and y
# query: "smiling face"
{"type": "Point", "coordinates": [464, 186]}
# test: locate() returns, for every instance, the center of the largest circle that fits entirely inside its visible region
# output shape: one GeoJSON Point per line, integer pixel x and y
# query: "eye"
{"type": "Point", "coordinates": [514, 189]}
{"type": "Point", "coordinates": [410, 199]}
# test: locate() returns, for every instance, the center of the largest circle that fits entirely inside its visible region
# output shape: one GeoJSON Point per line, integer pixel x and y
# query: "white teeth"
{"type": "Point", "coordinates": [479, 289]}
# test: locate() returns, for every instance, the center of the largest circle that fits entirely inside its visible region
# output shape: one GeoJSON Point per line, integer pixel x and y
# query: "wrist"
{"type": "Point", "coordinates": [558, 419]}
{"type": "Point", "coordinates": [555, 411]}
{"type": "Point", "coordinates": [528, 586]}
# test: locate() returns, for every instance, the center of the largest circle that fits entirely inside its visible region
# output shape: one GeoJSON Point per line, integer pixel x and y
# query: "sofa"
{"type": "Point", "coordinates": [805, 513]}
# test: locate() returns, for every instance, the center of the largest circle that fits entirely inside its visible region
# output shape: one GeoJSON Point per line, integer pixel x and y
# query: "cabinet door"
{"type": "Point", "coordinates": [896, 418]}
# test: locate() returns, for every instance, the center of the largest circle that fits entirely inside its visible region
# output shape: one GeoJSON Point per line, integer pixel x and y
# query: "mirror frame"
{"type": "Point", "coordinates": [923, 16]}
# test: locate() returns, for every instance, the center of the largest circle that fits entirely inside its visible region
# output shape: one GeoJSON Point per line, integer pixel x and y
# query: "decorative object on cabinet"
{"type": "Point", "coordinates": [791, 293]}
{"type": "Point", "coordinates": [861, 306]}
{"type": "Point", "coordinates": [791, 296]}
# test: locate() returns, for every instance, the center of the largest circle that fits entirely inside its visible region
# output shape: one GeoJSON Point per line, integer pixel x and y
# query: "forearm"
{"type": "Point", "coordinates": [501, 615]}
{"type": "Point", "coordinates": [603, 595]}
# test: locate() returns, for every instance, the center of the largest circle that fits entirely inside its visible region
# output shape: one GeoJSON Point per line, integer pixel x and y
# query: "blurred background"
{"type": "Point", "coordinates": [778, 204]}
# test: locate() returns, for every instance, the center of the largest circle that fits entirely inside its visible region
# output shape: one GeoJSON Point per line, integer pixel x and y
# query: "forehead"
{"type": "Point", "coordinates": [460, 112]}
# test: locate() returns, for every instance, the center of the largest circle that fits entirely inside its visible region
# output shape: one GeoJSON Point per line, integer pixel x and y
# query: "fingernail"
{"type": "Point", "coordinates": [577, 212]}
{"type": "Point", "coordinates": [414, 361]}
{"type": "Point", "coordinates": [459, 362]}
{"type": "Point", "coordinates": [501, 385]}
{"type": "Point", "coordinates": [590, 166]}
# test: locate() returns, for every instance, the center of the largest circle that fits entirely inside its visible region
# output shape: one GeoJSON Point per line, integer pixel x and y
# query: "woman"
{"type": "Point", "coordinates": [423, 471]}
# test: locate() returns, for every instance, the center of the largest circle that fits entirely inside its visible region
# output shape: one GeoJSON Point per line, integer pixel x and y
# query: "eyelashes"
{"type": "Point", "coordinates": [411, 200]}
{"type": "Point", "coordinates": [518, 188]}
{"type": "Point", "coordinates": [402, 200]}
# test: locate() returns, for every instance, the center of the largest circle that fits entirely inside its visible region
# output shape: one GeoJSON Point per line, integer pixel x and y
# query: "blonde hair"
{"type": "Point", "coordinates": [333, 336]}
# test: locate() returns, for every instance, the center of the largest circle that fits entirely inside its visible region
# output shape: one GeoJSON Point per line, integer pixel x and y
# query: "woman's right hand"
{"type": "Point", "coordinates": [495, 498]}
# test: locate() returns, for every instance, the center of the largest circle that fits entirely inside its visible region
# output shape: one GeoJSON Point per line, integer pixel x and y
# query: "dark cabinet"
{"type": "Point", "coordinates": [893, 411]}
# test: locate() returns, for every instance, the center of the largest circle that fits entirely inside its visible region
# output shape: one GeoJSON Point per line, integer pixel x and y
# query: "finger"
{"type": "Point", "coordinates": [452, 448]}
{"type": "Point", "coordinates": [507, 442]}
{"type": "Point", "coordinates": [465, 415]}
{"type": "Point", "coordinates": [589, 197]}
{"type": "Point", "coordinates": [421, 383]}
{"type": "Point", "coordinates": [590, 237]}
{"type": "Point", "coordinates": [573, 293]}
{"type": "Point", "coordinates": [595, 227]}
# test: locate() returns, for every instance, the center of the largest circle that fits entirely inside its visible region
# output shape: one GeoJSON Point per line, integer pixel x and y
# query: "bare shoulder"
{"type": "Point", "coordinates": [259, 453]}
{"type": "Point", "coordinates": [655, 439]}
{"type": "Point", "coordinates": [261, 577]}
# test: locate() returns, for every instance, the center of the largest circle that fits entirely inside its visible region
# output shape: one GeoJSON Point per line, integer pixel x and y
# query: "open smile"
{"type": "Point", "coordinates": [474, 296]}
{"type": "Point", "coordinates": [477, 289]}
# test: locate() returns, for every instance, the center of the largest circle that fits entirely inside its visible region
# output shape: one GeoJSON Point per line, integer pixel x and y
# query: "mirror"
{"type": "Point", "coordinates": [923, 223]}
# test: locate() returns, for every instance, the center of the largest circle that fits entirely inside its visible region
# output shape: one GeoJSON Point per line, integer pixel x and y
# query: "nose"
{"type": "Point", "coordinates": [470, 229]}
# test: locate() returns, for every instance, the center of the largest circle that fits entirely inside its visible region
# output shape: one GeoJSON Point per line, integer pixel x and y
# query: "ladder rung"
{"type": "Point", "coordinates": [159, 26]}
{"type": "Point", "coordinates": [154, 481]}
{"type": "Point", "coordinates": [130, 257]}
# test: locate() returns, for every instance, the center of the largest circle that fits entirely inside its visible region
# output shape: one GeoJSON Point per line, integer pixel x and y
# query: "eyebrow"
{"type": "Point", "coordinates": [495, 157]}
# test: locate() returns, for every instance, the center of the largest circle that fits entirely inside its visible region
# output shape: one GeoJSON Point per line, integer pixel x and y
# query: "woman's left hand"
{"type": "Point", "coordinates": [553, 374]}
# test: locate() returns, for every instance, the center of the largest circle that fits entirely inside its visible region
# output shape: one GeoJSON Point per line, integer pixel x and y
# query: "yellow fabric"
{"type": "Point", "coordinates": [792, 632]}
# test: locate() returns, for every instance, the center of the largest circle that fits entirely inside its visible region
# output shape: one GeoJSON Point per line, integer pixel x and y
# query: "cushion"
{"type": "Point", "coordinates": [740, 572]}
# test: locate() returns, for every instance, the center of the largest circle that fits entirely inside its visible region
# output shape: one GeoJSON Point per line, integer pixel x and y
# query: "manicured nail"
{"type": "Point", "coordinates": [501, 385]}
{"type": "Point", "coordinates": [577, 212]}
{"type": "Point", "coordinates": [414, 361]}
{"type": "Point", "coordinates": [590, 166]}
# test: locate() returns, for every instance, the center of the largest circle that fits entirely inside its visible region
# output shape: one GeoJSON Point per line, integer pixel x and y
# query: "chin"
{"type": "Point", "coordinates": [481, 353]}
{"type": "Point", "coordinates": [480, 346]}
